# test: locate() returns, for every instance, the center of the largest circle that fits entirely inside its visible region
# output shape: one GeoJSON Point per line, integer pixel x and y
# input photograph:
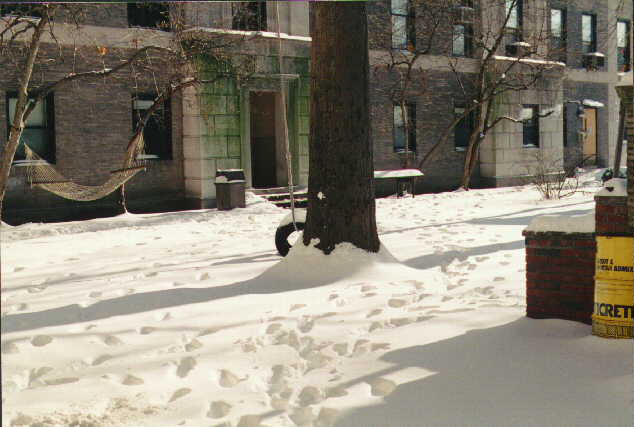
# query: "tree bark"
{"type": "Point", "coordinates": [17, 127]}
{"type": "Point", "coordinates": [341, 206]}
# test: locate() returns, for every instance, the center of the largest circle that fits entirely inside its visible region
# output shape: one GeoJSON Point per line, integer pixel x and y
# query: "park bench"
{"type": "Point", "coordinates": [402, 177]}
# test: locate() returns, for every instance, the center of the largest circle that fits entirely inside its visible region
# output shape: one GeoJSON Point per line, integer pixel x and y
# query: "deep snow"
{"type": "Point", "coordinates": [191, 318]}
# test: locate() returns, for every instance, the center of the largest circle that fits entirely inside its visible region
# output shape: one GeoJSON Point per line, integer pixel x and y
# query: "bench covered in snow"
{"type": "Point", "coordinates": [402, 177]}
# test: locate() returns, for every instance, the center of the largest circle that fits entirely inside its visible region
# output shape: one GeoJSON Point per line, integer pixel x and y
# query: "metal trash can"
{"type": "Point", "coordinates": [230, 188]}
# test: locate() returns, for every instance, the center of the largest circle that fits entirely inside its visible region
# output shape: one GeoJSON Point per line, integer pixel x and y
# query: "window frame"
{"type": "Point", "coordinates": [589, 46]}
{"type": "Point", "coordinates": [625, 64]}
{"type": "Point", "coordinates": [49, 114]}
{"type": "Point", "coordinates": [467, 40]}
{"type": "Point", "coordinates": [244, 22]}
{"type": "Point", "coordinates": [533, 123]}
{"type": "Point", "coordinates": [515, 32]}
{"type": "Point", "coordinates": [559, 42]}
{"type": "Point", "coordinates": [410, 26]}
{"type": "Point", "coordinates": [167, 152]}
{"type": "Point", "coordinates": [467, 123]}
{"type": "Point", "coordinates": [410, 113]}
{"type": "Point", "coordinates": [140, 17]}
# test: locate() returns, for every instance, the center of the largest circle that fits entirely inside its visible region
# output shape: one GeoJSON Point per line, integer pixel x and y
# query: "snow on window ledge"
{"type": "Point", "coordinates": [25, 163]}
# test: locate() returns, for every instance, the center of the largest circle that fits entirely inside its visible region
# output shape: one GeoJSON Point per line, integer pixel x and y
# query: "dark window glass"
{"type": "Point", "coordinates": [462, 40]}
{"type": "Point", "coordinates": [588, 33]}
{"type": "Point", "coordinates": [513, 11]}
{"type": "Point", "coordinates": [149, 15]}
{"type": "Point", "coordinates": [249, 16]}
{"type": "Point", "coordinates": [39, 130]}
{"type": "Point", "coordinates": [18, 9]}
{"type": "Point", "coordinates": [403, 25]}
{"type": "Point", "coordinates": [623, 45]}
{"type": "Point", "coordinates": [399, 127]}
{"type": "Point", "coordinates": [530, 120]}
{"type": "Point", "coordinates": [558, 34]}
{"type": "Point", "coordinates": [464, 128]}
{"type": "Point", "coordinates": [157, 134]}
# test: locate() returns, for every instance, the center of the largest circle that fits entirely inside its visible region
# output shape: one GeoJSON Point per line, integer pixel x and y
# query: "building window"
{"type": "Point", "coordinates": [513, 13]}
{"type": "Point", "coordinates": [623, 45]}
{"type": "Point", "coordinates": [558, 33]}
{"type": "Point", "coordinates": [39, 130]}
{"type": "Point", "coordinates": [249, 16]}
{"type": "Point", "coordinates": [17, 9]}
{"type": "Point", "coordinates": [403, 25]}
{"type": "Point", "coordinates": [400, 145]}
{"type": "Point", "coordinates": [588, 33]}
{"type": "Point", "coordinates": [157, 134]}
{"type": "Point", "coordinates": [149, 15]}
{"type": "Point", "coordinates": [530, 121]}
{"type": "Point", "coordinates": [464, 128]}
{"type": "Point", "coordinates": [462, 40]}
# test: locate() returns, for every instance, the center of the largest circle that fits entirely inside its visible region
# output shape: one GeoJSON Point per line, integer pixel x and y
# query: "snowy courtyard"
{"type": "Point", "coordinates": [191, 318]}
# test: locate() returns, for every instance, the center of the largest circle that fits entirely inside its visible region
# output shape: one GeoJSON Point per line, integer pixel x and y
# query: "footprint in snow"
{"type": "Point", "coordinates": [381, 387]}
{"type": "Point", "coordinates": [36, 289]}
{"type": "Point", "coordinates": [132, 380]}
{"type": "Point", "coordinates": [374, 312]}
{"type": "Point", "coordinates": [193, 345]}
{"type": "Point", "coordinates": [101, 359]}
{"type": "Point", "coordinates": [146, 330]}
{"type": "Point", "coordinates": [185, 366]}
{"type": "Point", "coordinates": [396, 302]}
{"type": "Point", "coordinates": [296, 307]}
{"type": "Point", "coordinates": [481, 258]}
{"type": "Point", "coordinates": [218, 409]}
{"type": "Point", "coordinates": [498, 279]}
{"type": "Point", "coordinates": [41, 340]}
{"type": "Point", "coordinates": [180, 393]}
{"type": "Point", "coordinates": [95, 294]}
{"type": "Point", "coordinates": [111, 340]}
{"type": "Point", "coordinates": [10, 348]}
{"type": "Point", "coordinates": [60, 381]}
{"type": "Point", "coordinates": [504, 263]}
{"type": "Point", "coordinates": [228, 379]}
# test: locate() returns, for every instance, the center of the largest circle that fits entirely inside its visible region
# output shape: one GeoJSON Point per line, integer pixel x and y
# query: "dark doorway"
{"type": "Point", "coordinates": [263, 139]}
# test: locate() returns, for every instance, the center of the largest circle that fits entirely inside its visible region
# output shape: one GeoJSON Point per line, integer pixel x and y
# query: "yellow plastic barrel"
{"type": "Point", "coordinates": [613, 288]}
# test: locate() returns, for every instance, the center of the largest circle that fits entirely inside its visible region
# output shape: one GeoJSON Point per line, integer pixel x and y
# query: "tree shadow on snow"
{"type": "Point", "coordinates": [433, 260]}
{"type": "Point", "coordinates": [281, 277]}
{"type": "Point", "coordinates": [524, 373]}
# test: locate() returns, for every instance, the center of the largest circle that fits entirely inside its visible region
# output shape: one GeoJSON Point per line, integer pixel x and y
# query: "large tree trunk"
{"type": "Point", "coordinates": [341, 205]}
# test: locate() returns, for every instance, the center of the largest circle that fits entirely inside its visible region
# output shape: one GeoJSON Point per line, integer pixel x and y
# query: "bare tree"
{"type": "Point", "coordinates": [341, 206]}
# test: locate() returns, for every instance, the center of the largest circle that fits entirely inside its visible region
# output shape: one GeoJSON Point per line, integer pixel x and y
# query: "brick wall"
{"type": "Point", "coordinates": [611, 216]}
{"type": "Point", "coordinates": [560, 275]}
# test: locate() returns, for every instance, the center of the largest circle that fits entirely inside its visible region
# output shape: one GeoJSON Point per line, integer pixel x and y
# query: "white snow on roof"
{"type": "Point", "coordinates": [615, 187]}
{"type": "Point", "coordinates": [593, 103]}
{"type": "Point", "coordinates": [266, 34]}
{"type": "Point", "coordinates": [398, 173]}
{"type": "Point", "coordinates": [563, 223]}
{"type": "Point", "coordinates": [528, 60]}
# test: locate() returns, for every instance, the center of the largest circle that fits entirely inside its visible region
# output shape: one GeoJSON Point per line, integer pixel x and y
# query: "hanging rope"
{"type": "Point", "coordinates": [289, 170]}
{"type": "Point", "coordinates": [43, 175]}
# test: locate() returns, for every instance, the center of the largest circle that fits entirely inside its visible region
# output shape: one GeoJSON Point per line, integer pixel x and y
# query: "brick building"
{"type": "Point", "coordinates": [231, 124]}
{"type": "Point", "coordinates": [584, 43]}
{"type": "Point", "coordinates": [83, 129]}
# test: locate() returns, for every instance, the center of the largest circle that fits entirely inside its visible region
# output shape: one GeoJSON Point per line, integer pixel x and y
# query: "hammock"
{"type": "Point", "coordinates": [43, 175]}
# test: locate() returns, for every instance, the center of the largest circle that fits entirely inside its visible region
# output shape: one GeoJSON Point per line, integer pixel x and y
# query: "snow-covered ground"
{"type": "Point", "coordinates": [191, 318]}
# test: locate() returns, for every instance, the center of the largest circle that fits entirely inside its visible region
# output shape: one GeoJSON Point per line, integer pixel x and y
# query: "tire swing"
{"type": "Point", "coordinates": [281, 236]}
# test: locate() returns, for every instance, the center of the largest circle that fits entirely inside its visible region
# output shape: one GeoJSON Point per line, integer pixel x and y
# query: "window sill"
{"type": "Point", "coordinates": [460, 149]}
{"type": "Point", "coordinates": [530, 146]}
{"type": "Point", "coordinates": [26, 163]}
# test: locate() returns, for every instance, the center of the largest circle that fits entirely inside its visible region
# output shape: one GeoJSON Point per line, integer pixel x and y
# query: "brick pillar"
{"type": "Point", "coordinates": [611, 215]}
{"type": "Point", "coordinates": [560, 275]}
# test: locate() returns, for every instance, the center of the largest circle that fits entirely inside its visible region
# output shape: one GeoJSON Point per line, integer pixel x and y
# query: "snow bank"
{"type": "Point", "coordinates": [615, 187]}
{"type": "Point", "coordinates": [563, 223]}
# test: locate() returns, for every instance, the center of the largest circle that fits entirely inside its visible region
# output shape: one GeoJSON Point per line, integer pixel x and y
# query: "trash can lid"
{"type": "Point", "coordinates": [230, 174]}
